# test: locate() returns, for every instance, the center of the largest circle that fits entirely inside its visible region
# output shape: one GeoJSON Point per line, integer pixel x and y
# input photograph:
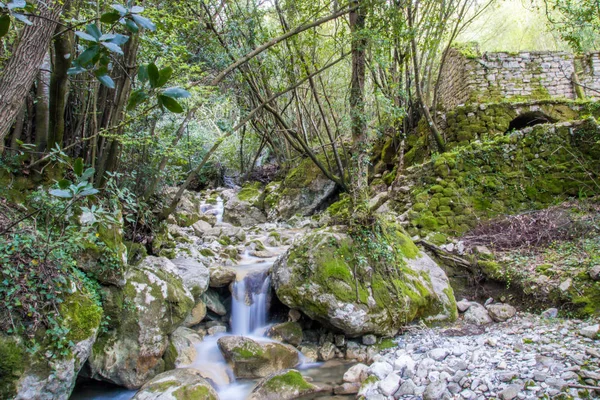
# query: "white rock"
{"type": "Point", "coordinates": [590, 331]}
{"type": "Point", "coordinates": [390, 384]}
{"type": "Point", "coordinates": [356, 373]}
{"type": "Point", "coordinates": [477, 315]}
{"type": "Point", "coordinates": [434, 391]}
{"type": "Point", "coordinates": [439, 354]}
{"type": "Point", "coordinates": [463, 305]}
{"type": "Point", "coordinates": [380, 369]}
{"type": "Point", "coordinates": [407, 388]}
{"type": "Point", "coordinates": [405, 365]}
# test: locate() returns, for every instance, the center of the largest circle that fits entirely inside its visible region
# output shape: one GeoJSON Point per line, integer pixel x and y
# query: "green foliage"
{"type": "Point", "coordinates": [13, 10]}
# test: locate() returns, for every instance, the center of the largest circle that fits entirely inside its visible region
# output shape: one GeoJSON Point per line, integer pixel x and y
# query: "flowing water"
{"type": "Point", "coordinates": [251, 293]}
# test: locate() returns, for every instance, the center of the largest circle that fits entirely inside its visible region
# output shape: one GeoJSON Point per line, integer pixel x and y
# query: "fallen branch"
{"type": "Point", "coordinates": [447, 256]}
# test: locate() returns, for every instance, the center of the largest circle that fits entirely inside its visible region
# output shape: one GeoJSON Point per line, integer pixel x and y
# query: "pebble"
{"type": "Point", "coordinates": [369, 340]}
{"type": "Point", "coordinates": [528, 357]}
{"type": "Point", "coordinates": [590, 331]}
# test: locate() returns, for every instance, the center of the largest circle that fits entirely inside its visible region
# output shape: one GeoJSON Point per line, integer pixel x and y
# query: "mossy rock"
{"type": "Point", "coordinates": [331, 278]}
{"type": "Point", "coordinates": [178, 384]}
{"type": "Point", "coordinates": [284, 385]}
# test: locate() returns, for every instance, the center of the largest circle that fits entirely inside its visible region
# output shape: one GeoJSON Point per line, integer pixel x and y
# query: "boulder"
{"type": "Point", "coordinates": [250, 359]}
{"type": "Point", "coordinates": [341, 284]}
{"type": "Point", "coordinates": [213, 302]}
{"type": "Point", "coordinates": [27, 376]}
{"type": "Point", "coordinates": [221, 276]}
{"type": "Point", "coordinates": [201, 227]}
{"type": "Point", "coordinates": [284, 385]}
{"type": "Point", "coordinates": [196, 315]}
{"type": "Point", "coordinates": [303, 191]}
{"type": "Point", "coordinates": [194, 274]}
{"type": "Point", "coordinates": [182, 348]}
{"type": "Point", "coordinates": [178, 384]}
{"type": "Point", "coordinates": [153, 303]}
{"type": "Point", "coordinates": [288, 332]}
{"type": "Point", "coordinates": [245, 208]}
{"type": "Point", "coordinates": [501, 312]}
{"type": "Point", "coordinates": [477, 315]}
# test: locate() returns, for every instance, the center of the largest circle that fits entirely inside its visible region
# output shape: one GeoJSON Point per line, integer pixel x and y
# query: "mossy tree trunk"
{"type": "Point", "coordinates": [360, 142]}
{"type": "Point", "coordinates": [42, 105]}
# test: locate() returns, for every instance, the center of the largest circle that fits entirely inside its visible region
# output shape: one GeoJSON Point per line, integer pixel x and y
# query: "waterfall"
{"type": "Point", "coordinates": [249, 304]}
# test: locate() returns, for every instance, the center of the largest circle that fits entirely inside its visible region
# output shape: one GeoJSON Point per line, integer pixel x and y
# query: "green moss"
{"type": "Point", "coordinates": [185, 219]}
{"type": "Point", "coordinates": [161, 387]}
{"type": "Point", "coordinates": [248, 350]}
{"type": "Point", "coordinates": [170, 356]}
{"type": "Point", "coordinates": [12, 362]}
{"type": "Point", "coordinates": [196, 392]}
{"type": "Point", "coordinates": [289, 379]}
{"type": "Point", "coordinates": [252, 193]}
{"type": "Point", "coordinates": [386, 343]}
{"type": "Point", "coordinates": [81, 315]}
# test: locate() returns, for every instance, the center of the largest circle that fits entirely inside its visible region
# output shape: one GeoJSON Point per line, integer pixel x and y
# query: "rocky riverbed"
{"type": "Point", "coordinates": [526, 357]}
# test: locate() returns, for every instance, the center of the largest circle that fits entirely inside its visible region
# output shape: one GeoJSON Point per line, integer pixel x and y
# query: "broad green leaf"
{"type": "Point", "coordinates": [86, 36]}
{"type": "Point", "coordinates": [137, 9]}
{"type": "Point", "coordinates": [143, 73]}
{"type": "Point", "coordinates": [176, 93]}
{"type": "Point", "coordinates": [88, 174]}
{"type": "Point", "coordinates": [88, 55]}
{"type": "Point", "coordinates": [65, 194]}
{"type": "Point", "coordinates": [89, 192]}
{"type": "Point", "coordinates": [170, 104]}
{"type": "Point", "coordinates": [17, 4]}
{"type": "Point", "coordinates": [94, 31]}
{"type": "Point", "coordinates": [22, 18]}
{"type": "Point", "coordinates": [4, 24]}
{"type": "Point", "coordinates": [110, 17]}
{"type": "Point", "coordinates": [115, 48]}
{"type": "Point", "coordinates": [78, 166]}
{"type": "Point", "coordinates": [164, 76]}
{"type": "Point", "coordinates": [118, 39]}
{"type": "Point", "coordinates": [106, 81]}
{"type": "Point", "coordinates": [153, 75]}
{"type": "Point", "coordinates": [143, 22]}
{"type": "Point", "coordinates": [120, 9]}
{"type": "Point", "coordinates": [131, 26]}
{"type": "Point", "coordinates": [136, 98]}
{"type": "Point", "coordinates": [64, 183]}
{"type": "Point", "coordinates": [75, 70]}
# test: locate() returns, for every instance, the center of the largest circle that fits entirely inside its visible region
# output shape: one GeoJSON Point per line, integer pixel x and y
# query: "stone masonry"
{"type": "Point", "coordinates": [469, 76]}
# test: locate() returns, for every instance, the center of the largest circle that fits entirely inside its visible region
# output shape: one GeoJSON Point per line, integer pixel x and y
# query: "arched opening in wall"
{"type": "Point", "coordinates": [530, 118]}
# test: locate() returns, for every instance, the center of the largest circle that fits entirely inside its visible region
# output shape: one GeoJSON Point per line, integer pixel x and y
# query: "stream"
{"type": "Point", "coordinates": [250, 300]}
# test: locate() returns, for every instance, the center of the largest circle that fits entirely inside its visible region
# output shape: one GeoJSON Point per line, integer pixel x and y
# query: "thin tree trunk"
{"type": "Point", "coordinates": [360, 156]}
{"type": "Point", "coordinates": [18, 131]}
{"type": "Point", "coordinates": [23, 66]}
{"type": "Point", "coordinates": [42, 105]}
{"type": "Point", "coordinates": [59, 88]}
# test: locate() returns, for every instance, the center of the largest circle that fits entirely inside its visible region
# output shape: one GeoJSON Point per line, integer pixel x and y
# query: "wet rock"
{"type": "Point", "coordinates": [262, 254]}
{"type": "Point", "coordinates": [310, 352]}
{"type": "Point", "coordinates": [477, 315]}
{"type": "Point", "coordinates": [153, 303]}
{"type": "Point", "coordinates": [217, 329]}
{"type": "Point", "coordinates": [327, 351]}
{"type": "Point", "coordinates": [347, 388]}
{"type": "Point", "coordinates": [369, 340]}
{"type": "Point", "coordinates": [590, 331]}
{"type": "Point", "coordinates": [194, 274]}
{"type": "Point", "coordinates": [196, 315]}
{"type": "Point", "coordinates": [339, 340]}
{"type": "Point", "coordinates": [356, 373]}
{"type": "Point", "coordinates": [303, 280]}
{"type": "Point", "coordinates": [213, 302]}
{"type": "Point", "coordinates": [182, 350]}
{"type": "Point", "coordinates": [284, 385]}
{"type": "Point", "coordinates": [294, 315]}
{"type": "Point", "coordinates": [250, 359]}
{"type": "Point", "coordinates": [178, 384]}
{"type": "Point", "coordinates": [501, 312]}
{"type": "Point", "coordinates": [242, 212]}
{"type": "Point", "coordinates": [288, 332]}
{"type": "Point", "coordinates": [221, 276]}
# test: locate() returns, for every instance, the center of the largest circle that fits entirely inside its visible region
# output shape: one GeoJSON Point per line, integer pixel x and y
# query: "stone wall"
{"type": "Point", "coordinates": [528, 169]}
{"type": "Point", "coordinates": [469, 76]}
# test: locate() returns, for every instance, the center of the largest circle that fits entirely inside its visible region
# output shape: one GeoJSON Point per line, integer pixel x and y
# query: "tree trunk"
{"type": "Point", "coordinates": [18, 131]}
{"type": "Point", "coordinates": [22, 67]}
{"type": "Point", "coordinates": [360, 156]}
{"type": "Point", "coordinates": [59, 88]}
{"type": "Point", "coordinates": [42, 105]}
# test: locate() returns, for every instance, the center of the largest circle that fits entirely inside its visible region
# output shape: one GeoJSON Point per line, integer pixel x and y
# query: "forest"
{"type": "Point", "coordinates": [377, 199]}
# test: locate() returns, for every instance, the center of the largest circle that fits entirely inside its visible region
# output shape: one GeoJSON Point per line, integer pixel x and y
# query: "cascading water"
{"type": "Point", "coordinates": [249, 308]}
